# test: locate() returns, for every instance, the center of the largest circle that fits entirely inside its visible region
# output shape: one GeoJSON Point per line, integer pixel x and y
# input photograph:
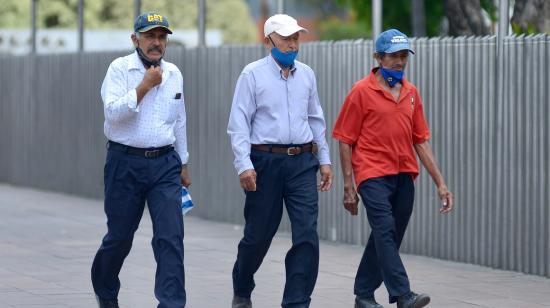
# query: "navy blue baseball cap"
{"type": "Point", "coordinates": [148, 21]}
{"type": "Point", "coordinates": [393, 40]}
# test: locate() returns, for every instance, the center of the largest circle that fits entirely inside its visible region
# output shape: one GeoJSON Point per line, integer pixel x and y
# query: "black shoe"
{"type": "Point", "coordinates": [106, 303]}
{"type": "Point", "coordinates": [366, 302]}
{"type": "Point", "coordinates": [241, 302]}
{"type": "Point", "coordinates": [413, 300]}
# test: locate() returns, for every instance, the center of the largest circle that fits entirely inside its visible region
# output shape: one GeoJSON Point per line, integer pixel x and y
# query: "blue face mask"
{"type": "Point", "coordinates": [392, 77]}
{"type": "Point", "coordinates": [285, 59]}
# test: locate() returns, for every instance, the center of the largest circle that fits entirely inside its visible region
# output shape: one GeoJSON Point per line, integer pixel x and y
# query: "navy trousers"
{"type": "Point", "coordinates": [130, 181]}
{"type": "Point", "coordinates": [389, 203]}
{"type": "Point", "coordinates": [291, 179]}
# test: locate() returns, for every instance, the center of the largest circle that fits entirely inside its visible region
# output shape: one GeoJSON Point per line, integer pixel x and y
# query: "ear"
{"type": "Point", "coordinates": [267, 43]}
{"type": "Point", "coordinates": [134, 40]}
{"type": "Point", "coordinates": [378, 58]}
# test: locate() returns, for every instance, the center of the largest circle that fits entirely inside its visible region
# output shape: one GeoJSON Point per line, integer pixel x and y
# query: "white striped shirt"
{"type": "Point", "coordinates": [158, 120]}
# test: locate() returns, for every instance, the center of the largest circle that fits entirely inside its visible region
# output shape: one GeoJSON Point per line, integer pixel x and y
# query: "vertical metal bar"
{"type": "Point", "coordinates": [137, 8]}
{"type": "Point", "coordinates": [503, 21]}
{"type": "Point", "coordinates": [280, 6]}
{"type": "Point", "coordinates": [80, 25]}
{"type": "Point", "coordinates": [418, 18]}
{"type": "Point", "coordinates": [202, 23]}
{"type": "Point", "coordinates": [376, 18]}
{"type": "Point", "coordinates": [33, 26]}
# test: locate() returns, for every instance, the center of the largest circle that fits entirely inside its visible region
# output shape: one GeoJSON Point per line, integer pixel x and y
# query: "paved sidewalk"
{"type": "Point", "coordinates": [48, 240]}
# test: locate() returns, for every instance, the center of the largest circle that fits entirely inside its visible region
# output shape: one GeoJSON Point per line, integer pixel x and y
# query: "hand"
{"type": "Point", "coordinates": [351, 200]}
{"type": "Point", "coordinates": [248, 180]}
{"type": "Point", "coordinates": [326, 178]}
{"type": "Point", "coordinates": [447, 199]}
{"type": "Point", "coordinates": [153, 77]}
{"type": "Point", "coordinates": [184, 175]}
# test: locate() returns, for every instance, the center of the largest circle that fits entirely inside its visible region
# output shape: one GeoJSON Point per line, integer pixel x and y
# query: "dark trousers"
{"type": "Point", "coordinates": [130, 181]}
{"type": "Point", "coordinates": [389, 203]}
{"type": "Point", "coordinates": [291, 179]}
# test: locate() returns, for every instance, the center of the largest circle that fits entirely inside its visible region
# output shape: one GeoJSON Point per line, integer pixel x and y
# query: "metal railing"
{"type": "Point", "coordinates": [488, 117]}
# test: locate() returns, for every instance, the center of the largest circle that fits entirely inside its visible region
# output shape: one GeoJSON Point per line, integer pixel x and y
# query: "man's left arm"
{"type": "Point", "coordinates": [181, 142]}
{"type": "Point", "coordinates": [425, 153]}
{"type": "Point", "coordinates": [421, 135]}
{"type": "Point", "coordinates": [317, 123]}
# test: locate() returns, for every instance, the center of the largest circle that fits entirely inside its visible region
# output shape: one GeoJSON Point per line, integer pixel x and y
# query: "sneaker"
{"type": "Point", "coordinates": [106, 303]}
{"type": "Point", "coordinates": [241, 302]}
{"type": "Point", "coordinates": [413, 300]}
{"type": "Point", "coordinates": [366, 302]}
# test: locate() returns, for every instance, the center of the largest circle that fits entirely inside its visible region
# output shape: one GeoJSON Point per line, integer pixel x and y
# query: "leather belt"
{"type": "Point", "coordinates": [286, 149]}
{"type": "Point", "coordinates": [147, 153]}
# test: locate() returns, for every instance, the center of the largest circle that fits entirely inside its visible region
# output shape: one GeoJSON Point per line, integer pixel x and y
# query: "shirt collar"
{"type": "Point", "coordinates": [276, 68]}
{"type": "Point", "coordinates": [135, 63]}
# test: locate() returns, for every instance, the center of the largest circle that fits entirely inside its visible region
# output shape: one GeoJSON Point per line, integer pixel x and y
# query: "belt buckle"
{"type": "Point", "coordinates": [289, 149]}
{"type": "Point", "coordinates": [151, 154]}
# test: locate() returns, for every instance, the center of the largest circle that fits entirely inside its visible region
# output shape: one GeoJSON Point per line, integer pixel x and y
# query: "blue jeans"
{"type": "Point", "coordinates": [292, 179]}
{"type": "Point", "coordinates": [389, 203]}
{"type": "Point", "coordinates": [129, 182]}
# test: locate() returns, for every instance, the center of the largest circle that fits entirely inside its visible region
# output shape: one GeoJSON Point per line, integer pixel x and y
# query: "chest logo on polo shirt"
{"type": "Point", "coordinates": [412, 103]}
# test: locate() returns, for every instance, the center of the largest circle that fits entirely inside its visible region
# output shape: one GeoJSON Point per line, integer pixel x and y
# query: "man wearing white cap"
{"type": "Point", "coordinates": [277, 132]}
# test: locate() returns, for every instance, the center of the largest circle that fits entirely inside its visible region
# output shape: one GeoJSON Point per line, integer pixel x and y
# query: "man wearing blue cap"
{"type": "Point", "coordinates": [381, 128]}
{"type": "Point", "coordinates": [146, 161]}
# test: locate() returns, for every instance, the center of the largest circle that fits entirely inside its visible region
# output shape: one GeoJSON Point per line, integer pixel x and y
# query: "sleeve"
{"type": "Point", "coordinates": [180, 130]}
{"type": "Point", "coordinates": [350, 119]}
{"type": "Point", "coordinates": [119, 103]}
{"type": "Point", "coordinates": [243, 109]}
{"type": "Point", "coordinates": [316, 120]}
{"type": "Point", "coordinates": [421, 132]}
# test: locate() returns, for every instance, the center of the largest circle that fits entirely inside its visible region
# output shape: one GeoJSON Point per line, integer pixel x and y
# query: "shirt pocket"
{"type": "Point", "coordinates": [168, 107]}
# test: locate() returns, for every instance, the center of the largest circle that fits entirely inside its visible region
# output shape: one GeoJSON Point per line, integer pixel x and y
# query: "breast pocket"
{"type": "Point", "coordinates": [169, 107]}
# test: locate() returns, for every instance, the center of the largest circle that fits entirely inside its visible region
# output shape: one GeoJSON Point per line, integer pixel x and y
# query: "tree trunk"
{"type": "Point", "coordinates": [465, 18]}
{"type": "Point", "coordinates": [418, 18]}
{"type": "Point", "coordinates": [531, 16]}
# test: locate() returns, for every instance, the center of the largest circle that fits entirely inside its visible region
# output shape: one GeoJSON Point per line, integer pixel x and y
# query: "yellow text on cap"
{"type": "Point", "coordinates": [154, 17]}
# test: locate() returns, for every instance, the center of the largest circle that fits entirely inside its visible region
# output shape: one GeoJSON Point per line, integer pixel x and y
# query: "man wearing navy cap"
{"type": "Point", "coordinates": [381, 128]}
{"type": "Point", "coordinates": [146, 161]}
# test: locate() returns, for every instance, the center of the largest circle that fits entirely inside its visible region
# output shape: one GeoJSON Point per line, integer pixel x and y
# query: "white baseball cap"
{"type": "Point", "coordinates": [283, 25]}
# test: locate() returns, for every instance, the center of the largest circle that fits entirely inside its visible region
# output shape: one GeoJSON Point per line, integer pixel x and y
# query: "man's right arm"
{"type": "Point", "coordinates": [346, 131]}
{"type": "Point", "coordinates": [239, 129]}
{"type": "Point", "coordinates": [119, 102]}
{"type": "Point", "coordinates": [351, 199]}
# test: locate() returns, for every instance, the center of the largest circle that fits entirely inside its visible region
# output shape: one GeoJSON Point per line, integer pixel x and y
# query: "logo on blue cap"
{"type": "Point", "coordinates": [148, 21]}
{"type": "Point", "coordinates": [391, 41]}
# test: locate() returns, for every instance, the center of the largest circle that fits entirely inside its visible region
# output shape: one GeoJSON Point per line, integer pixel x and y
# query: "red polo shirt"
{"type": "Point", "coordinates": [380, 129]}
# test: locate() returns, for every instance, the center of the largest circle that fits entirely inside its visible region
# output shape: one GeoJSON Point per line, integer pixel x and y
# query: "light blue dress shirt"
{"type": "Point", "coordinates": [268, 108]}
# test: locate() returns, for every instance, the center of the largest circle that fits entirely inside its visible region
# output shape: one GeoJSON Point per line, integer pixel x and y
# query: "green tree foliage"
{"type": "Point", "coordinates": [397, 14]}
{"type": "Point", "coordinates": [232, 17]}
{"type": "Point", "coordinates": [15, 14]}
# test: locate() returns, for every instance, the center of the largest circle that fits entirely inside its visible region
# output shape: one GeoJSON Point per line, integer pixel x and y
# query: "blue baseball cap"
{"type": "Point", "coordinates": [148, 21]}
{"type": "Point", "coordinates": [393, 40]}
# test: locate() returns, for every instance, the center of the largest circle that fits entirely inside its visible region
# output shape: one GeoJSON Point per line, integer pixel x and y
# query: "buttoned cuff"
{"type": "Point", "coordinates": [132, 101]}
{"type": "Point", "coordinates": [324, 159]}
{"type": "Point", "coordinates": [244, 165]}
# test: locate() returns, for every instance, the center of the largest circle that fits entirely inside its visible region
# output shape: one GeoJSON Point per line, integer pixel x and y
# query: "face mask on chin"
{"type": "Point", "coordinates": [145, 60]}
{"type": "Point", "coordinates": [285, 59]}
{"type": "Point", "coordinates": [392, 77]}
